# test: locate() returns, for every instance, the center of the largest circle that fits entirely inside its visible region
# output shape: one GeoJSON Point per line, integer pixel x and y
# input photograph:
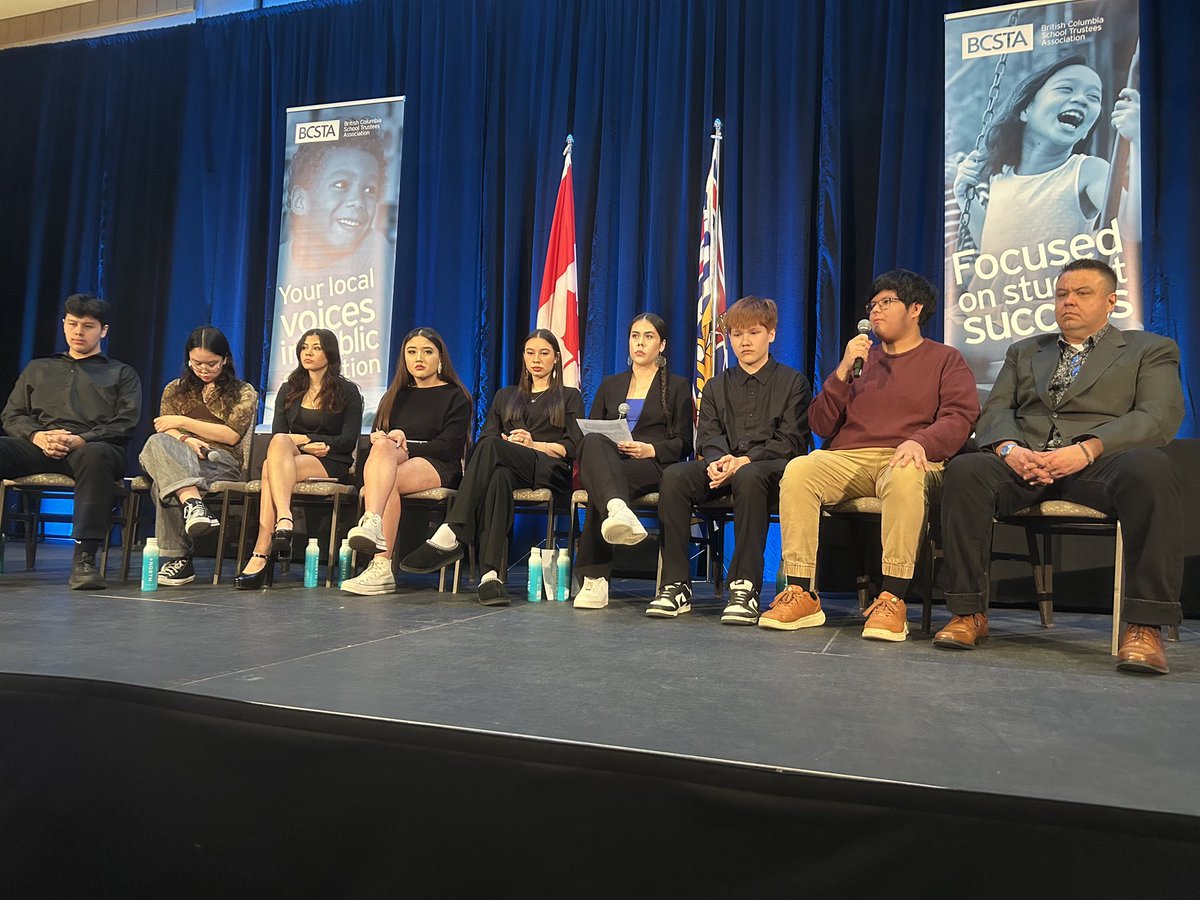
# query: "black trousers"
{"type": "Point", "coordinates": [483, 507]}
{"type": "Point", "coordinates": [755, 490]}
{"type": "Point", "coordinates": [606, 475]}
{"type": "Point", "coordinates": [96, 467]}
{"type": "Point", "coordinates": [1140, 487]}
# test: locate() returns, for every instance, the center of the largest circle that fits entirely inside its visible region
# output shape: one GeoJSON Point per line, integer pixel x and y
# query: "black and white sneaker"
{"type": "Point", "coordinates": [197, 519]}
{"type": "Point", "coordinates": [742, 608]}
{"type": "Point", "coordinates": [176, 572]}
{"type": "Point", "coordinates": [672, 600]}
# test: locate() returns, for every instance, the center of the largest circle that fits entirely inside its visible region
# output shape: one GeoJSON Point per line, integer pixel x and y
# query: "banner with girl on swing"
{"type": "Point", "coordinates": [1043, 165]}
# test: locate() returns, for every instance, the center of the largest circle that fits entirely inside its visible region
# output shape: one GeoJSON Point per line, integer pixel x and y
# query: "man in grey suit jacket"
{"type": "Point", "coordinates": [1077, 416]}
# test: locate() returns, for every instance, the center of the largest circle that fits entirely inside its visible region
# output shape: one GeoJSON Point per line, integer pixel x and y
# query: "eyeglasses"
{"type": "Point", "coordinates": [206, 366]}
{"type": "Point", "coordinates": [882, 303]}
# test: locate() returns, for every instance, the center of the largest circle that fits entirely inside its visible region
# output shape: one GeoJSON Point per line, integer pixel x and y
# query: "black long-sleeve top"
{"type": "Point", "coordinates": [438, 417]}
{"type": "Point", "coordinates": [97, 398]}
{"type": "Point", "coordinates": [652, 424]}
{"type": "Point", "coordinates": [763, 415]}
{"type": "Point", "coordinates": [533, 418]}
{"type": "Point", "coordinates": [340, 430]}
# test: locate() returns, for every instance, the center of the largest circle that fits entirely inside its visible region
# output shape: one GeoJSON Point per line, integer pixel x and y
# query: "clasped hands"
{"type": "Point", "coordinates": [1047, 466]}
{"type": "Point", "coordinates": [722, 470]}
{"type": "Point", "coordinates": [56, 442]}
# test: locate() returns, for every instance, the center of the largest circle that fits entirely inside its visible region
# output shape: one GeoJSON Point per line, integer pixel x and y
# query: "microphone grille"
{"type": "Point", "coordinates": [623, 410]}
{"type": "Point", "coordinates": [864, 326]}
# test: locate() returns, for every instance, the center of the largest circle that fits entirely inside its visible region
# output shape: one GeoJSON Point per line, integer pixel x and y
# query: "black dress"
{"type": "Point", "coordinates": [435, 421]}
{"type": "Point", "coordinates": [339, 430]}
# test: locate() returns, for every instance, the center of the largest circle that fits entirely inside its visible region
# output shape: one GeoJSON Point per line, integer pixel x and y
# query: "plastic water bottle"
{"type": "Point", "coordinates": [534, 594]}
{"type": "Point", "coordinates": [312, 562]}
{"type": "Point", "coordinates": [345, 561]}
{"type": "Point", "coordinates": [564, 577]}
{"type": "Point", "coordinates": [150, 565]}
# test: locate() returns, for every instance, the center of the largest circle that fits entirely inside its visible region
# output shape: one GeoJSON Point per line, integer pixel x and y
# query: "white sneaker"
{"type": "Point", "coordinates": [376, 579]}
{"type": "Point", "coordinates": [622, 527]}
{"type": "Point", "coordinates": [593, 594]}
{"type": "Point", "coordinates": [367, 535]}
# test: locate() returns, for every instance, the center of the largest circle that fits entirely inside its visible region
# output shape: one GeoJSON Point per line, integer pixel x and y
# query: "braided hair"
{"type": "Point", "coordinates": [659, 325]}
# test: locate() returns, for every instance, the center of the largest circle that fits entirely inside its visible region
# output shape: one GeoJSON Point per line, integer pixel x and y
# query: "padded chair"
{"type": "Point", "coordinates": [434, 498]}
{"type": "Point", "coordinates": [1056, 517]}
{"type": "Point", "coordinates": [302, 492]}
{"type": "Point", "coordinates": [226, 490]}
{"type": "Point", "coordinates": [869, 510]}
{"type": "Point", "coordinates": [32, 489]}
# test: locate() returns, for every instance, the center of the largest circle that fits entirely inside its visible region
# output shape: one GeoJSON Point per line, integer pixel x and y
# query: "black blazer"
{"type": "Point", "coordinates": [339, 430]}
{"type": "Point", "coordinates": [652, 423]}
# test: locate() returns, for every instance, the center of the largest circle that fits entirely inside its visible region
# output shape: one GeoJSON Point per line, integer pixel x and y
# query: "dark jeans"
{"type": "Point", "coordinates": [484, 506]}
{"type": "Point", "coordinates": [96, 467]}
{"type": "Point", "coordinates": [755, 490]}
{"type": "Point", "coordinates": [1140, 487]}
{"type": "Point", "coordinates": [606, 475]}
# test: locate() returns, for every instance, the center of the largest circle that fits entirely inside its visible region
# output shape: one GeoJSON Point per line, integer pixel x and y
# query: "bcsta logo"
{"type": "Point", "coordinates": [312, 132]}
{"type": "Point", "coordinates": [997, 40]}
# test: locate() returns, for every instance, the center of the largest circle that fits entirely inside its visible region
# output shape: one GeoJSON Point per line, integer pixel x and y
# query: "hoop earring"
{"type": "Point", "coordinates": [629, 360]}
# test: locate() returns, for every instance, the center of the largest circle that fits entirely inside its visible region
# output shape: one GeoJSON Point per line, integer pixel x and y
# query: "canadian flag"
{"type": "Point", "coordinates": [558, 303]}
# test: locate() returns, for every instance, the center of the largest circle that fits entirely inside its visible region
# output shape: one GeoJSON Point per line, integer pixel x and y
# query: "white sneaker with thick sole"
{"type": "Point", "coordinates": [377, 578]}
{"type": "Point", "coordinates": [593, 594]}
{"type": "Point", "coordinates": [367, 535]}
{"type": "Point", "coordinates": [622, 527]}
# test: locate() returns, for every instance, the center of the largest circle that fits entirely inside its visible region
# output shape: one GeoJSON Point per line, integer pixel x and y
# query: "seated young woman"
{"type": "Point", "coordinates": [419, 441]}
{"type": "Point", "coordinates": [658, 408]}
{"type": "Point", "coordinates": [203, 415]}
{"type": "Point", "coordinates": [528, 441]}
{"type": "Point", "coordinates": [318, 417]}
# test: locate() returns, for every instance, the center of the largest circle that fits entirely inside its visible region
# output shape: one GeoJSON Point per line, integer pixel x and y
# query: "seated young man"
{"type": "Point", "coordinates": [73, 413]}
{"type": "Point", "coordinates": [753, 419]}
{"type": "Point", "coordinates": [888, 433]}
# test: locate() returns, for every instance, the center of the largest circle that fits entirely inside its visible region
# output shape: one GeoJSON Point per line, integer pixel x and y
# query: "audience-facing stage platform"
{"type": "Point", "coordinates": [1036, 715]}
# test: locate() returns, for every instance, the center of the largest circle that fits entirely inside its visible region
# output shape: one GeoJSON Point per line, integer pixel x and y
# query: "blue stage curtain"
{"type": "Point", "coordinates": [149, 168]}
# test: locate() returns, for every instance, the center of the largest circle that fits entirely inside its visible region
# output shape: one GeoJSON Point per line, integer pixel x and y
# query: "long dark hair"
{"type": "Point", "coordinates": [554, 398]}
{"type": "Point", "coordinates": [658, 324]}
{"type": "Point", "coordinates": [403, 380]}
{"type": "Point", "coordinates": [1002, 143]}
{"type": "Point", "coordinates": [229, 386]}
{"type": "Point", "coordinates": [332, 395]}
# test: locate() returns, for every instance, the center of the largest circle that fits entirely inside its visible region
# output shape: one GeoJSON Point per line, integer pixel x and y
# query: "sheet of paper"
{"type": "Point", "coordinates": [616, 430]}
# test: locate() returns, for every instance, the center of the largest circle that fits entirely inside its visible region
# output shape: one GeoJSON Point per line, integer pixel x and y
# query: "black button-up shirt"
{"type": "Point", "coordinates": [97, 398]}
{"type": "Point", "coordinates": [763, 415]}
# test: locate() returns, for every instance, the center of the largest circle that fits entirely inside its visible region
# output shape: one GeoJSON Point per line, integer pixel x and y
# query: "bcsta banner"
{"type": "Point", "coordinates": [1043, 166]}
{"type": "Point", "coordinates": [337, 244]}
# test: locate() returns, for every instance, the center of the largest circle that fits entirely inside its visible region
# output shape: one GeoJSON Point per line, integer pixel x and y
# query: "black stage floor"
{"type": "Point", "coordinates": [1037, 713]}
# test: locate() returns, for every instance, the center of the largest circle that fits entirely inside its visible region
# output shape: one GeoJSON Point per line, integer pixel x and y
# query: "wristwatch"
{"type": "Point", "coordinates": [1007, 449]}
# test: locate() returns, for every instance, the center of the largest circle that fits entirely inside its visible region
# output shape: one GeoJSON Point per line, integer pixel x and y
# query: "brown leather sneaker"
{"type": "Point", "coordinates": [1141, 650]}
{"type": "Point", "coordinates": [887, 619]}
{"type": "Point", "coordinates": [792, 609]}
{"type": "Point", "coordinates": [963, 632]}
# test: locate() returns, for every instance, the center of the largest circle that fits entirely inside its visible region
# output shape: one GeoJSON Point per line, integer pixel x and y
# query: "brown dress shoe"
{"type": "Point", "coordinates": [1141, 650]}
{"type": "Point", "coordinates": [963, 632]}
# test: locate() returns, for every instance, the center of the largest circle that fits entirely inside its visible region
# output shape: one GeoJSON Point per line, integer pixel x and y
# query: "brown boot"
{"type": "Point", "coordinates": [1141, 650]}
{"type": "Point", "coordinates": [963, 632]}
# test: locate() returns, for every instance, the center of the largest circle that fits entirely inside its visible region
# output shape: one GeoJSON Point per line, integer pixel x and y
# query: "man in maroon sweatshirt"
{"type": "Point", "coordinates": [888, 433]}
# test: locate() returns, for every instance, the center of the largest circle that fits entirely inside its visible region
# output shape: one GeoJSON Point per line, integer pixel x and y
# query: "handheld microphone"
{"type": "Point", "coordinates": [864, 327]}
{"type": "Point", "coordinates": [623, 410]}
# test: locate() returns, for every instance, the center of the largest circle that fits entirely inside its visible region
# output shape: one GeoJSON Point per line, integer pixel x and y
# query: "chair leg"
{"type": "Point", "coordinates": [927, 584]}
{"type": "Point", "coordinates": [331, 563]}
{"type": "Point", "coordinates": [247, 508]}
{"type": "Point", "coordinates": [1042, 564]}
{"type": "Point", "coordinates": [1118, 587]}
{"type": "Point", "coordinates": [220, 560]}
{"type": "Point", "coordinates": [33, 499]}
{"type": "Point", "coordinates": [129, 532]}
{"type": "Point", "coordinates": [1172, 632]}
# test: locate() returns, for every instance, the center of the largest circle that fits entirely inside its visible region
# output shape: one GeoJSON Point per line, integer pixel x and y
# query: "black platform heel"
{"type": "Point", "coordinates": [260, 579]}
{"type": "Point", "coordinates": [281, 541]}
